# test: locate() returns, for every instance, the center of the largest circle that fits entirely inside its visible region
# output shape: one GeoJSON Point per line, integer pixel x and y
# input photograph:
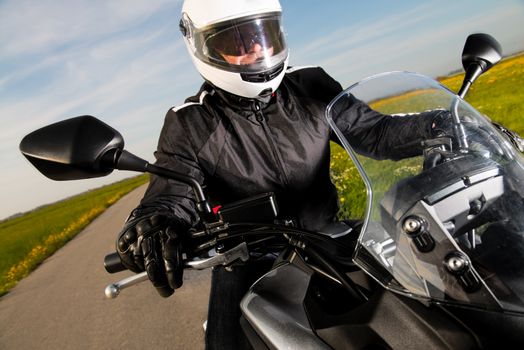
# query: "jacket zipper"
{"type": "Point", "coordinates": [276, 155]}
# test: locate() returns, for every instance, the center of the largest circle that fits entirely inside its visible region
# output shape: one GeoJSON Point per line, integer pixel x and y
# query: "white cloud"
{"type": "Point", "coordinates": [424, 39]}
{"type": "Point", "coordinates": [89, 85]}
{"type": "Point", "coordinates": [362, 33]}
{"type": "Point", "coordinates": [32, 26]}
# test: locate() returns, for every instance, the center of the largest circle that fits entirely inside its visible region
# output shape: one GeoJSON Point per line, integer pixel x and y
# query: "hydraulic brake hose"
{"type": "Point", "coordinates": [351, 286]}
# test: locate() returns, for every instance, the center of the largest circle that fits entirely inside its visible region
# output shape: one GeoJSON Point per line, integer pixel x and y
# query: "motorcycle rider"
{"type": "Point", "coordinates": [256, 126]}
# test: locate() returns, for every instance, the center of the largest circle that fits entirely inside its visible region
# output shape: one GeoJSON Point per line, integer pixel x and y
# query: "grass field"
{"type": "Point", "coordinates": [498, 94]}
{"type": "Point", "coordinates": [27, 240]}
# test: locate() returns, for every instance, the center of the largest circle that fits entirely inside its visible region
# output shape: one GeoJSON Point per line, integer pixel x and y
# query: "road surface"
{"type": "Point", "coordinates": [61, 305]}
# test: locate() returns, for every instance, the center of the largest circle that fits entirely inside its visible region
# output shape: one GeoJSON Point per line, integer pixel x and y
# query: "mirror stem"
{"type": "Point", "coordinates": [128, 161]}
{"type": "Point", "coordinates": [199, 193]}
{"type": "Point", "coordinates": [464, 89]}
{"type": "Point", "coordinates": [473, 72]}
{"type": "Point", "coordinates": [203, 207]}
{"type": "Point", "coordinates": [125, 160]}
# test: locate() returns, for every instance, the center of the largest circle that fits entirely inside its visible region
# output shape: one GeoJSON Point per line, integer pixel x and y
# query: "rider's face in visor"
{"type": "Point", "coordinates": [254, 53]}
{"type": "Point", "coordinates": [256, 41]}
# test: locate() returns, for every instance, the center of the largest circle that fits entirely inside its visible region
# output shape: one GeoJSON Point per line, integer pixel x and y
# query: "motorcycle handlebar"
{"type": "Point", "coordinates": [113, 264]}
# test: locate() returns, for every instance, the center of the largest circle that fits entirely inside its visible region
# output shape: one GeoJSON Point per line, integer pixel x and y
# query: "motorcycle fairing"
{"type": "Point", "coordinates": [445, 226]}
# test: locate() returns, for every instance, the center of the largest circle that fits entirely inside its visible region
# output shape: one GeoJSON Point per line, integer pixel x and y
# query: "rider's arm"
{"type": "Point", "coordinates": [370, 133]}
{"type": "Point", "coordinates": [152, 238]}
{"type": "Point", "coordinates": [175, 151]}
{"type": "Point", "coordinates": [383, 136]}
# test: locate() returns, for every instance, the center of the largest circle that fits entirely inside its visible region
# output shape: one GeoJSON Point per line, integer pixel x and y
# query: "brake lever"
{"type": "Point", "coordinates": [238, 252]}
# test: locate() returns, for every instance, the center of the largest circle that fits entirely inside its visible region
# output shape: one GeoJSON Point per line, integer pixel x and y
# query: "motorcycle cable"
{"type": "Point", "coordinates": [305, 237]}
{"type": "Point", "coordinates": [329, 244]}
{"type": "Point", "coordinates": [229, 230]}
{"type": "Point", "coordinates": [346, 282]}
{"type": "Point", "coordinates": [278, 229]}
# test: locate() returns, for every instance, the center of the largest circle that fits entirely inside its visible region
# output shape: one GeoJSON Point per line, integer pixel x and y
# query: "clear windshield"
{"type": "Point", "coordinates": [446, 225]}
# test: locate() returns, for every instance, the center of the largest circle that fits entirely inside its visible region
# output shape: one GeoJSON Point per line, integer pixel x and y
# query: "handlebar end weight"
{"type": "Point", "coordinates": [113, 264]}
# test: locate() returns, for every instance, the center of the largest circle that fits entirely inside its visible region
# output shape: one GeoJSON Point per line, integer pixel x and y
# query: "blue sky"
{"type": "Point", "coordinates": [124, 62]}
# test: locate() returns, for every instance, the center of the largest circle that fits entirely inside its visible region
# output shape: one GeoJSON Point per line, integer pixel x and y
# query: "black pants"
{"type": "Point", "coordinates": [227, 290]}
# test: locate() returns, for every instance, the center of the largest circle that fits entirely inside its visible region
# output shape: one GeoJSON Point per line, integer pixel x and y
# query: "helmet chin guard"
{"type": "Point", "coordinates": [233, 82]}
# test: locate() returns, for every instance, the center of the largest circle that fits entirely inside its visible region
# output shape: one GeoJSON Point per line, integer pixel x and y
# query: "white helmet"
{"type": "Point", "coordinates": [237, 45]}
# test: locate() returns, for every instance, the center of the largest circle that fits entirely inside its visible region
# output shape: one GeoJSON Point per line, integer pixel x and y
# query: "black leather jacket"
{"type": "Point", "coordinates": [238, 148]}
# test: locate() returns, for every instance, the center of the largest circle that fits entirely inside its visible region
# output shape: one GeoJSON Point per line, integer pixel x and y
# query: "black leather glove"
{"type": "Point", "coordinates": [152, 243]}
{"type": "Point", "coordinates": [442, 123]}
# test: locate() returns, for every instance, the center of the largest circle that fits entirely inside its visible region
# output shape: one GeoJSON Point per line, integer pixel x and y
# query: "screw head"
{"type": "Point", "coordinates": [413, 225]}
{"type": "Point", "coordinates": [456, 262]}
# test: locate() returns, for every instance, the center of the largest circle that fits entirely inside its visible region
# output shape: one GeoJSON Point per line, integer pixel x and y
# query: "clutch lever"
{"type": "Point", "coordinates": [238, 252]}
{"type": "Point", "coordinates": [114, 289]}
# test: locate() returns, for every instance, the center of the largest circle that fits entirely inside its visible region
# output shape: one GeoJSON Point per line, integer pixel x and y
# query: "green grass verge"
{"type": "Point", "coordinates": [25, 241]}
{"type": "Point", "coordinates": [498, 94]}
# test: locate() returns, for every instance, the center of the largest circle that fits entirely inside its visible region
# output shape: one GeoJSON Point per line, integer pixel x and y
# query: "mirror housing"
{"type": "Point", "coordinates": [77, 148]}
{"type": "Point", "coordinates": [481, 52]}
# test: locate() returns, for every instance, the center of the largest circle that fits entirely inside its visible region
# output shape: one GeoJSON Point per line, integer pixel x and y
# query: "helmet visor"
{"type": "Point", "coordinates": [247, 45]}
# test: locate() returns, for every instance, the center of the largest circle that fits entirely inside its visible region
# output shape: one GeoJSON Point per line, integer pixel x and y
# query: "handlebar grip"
{"type": "Point", "coordinates": [113, 264]}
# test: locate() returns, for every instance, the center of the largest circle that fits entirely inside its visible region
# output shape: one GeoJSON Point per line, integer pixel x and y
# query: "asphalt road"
{"type": "Point", "coordinates": [61, 305]}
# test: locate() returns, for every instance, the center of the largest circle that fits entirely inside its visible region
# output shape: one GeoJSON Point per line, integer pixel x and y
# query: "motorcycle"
{"type": "Point", "coordinates": [438, 261]}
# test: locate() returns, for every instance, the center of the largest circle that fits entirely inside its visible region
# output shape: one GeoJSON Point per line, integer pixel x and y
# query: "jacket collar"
{"type": "Point", "coordinates": [240, 103]}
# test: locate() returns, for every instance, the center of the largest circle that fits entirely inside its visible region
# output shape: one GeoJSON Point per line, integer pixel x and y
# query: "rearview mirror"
{"type": "Point", "coordinates": [85, 147]}
{"type": "Point", "coordinates": [481, 52]}
{"type": "Point", "coordinates": [77, 148]}
{"type": "Point", "coordinates": [481, 49]}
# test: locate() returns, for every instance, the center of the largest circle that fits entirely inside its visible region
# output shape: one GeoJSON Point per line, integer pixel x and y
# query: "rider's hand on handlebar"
{"type": "Point", "coordinates": [151, 243]}
{"type": "Point", "coordinates": [442, 124]}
